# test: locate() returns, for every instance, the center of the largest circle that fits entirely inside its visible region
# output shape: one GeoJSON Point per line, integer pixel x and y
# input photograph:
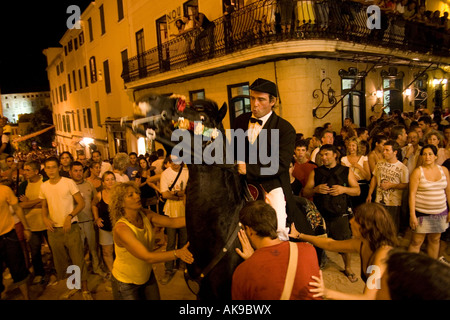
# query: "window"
{"type": "Point", "coordinates": [65, 50]}
{"type": "Point", "coordinates": [57, 70]}
{"type": "Point", "coordinates": [84, 118]}
{"type": "Point", "coordinates": [59, 122]}
{"type": "Point", "coordinates": [93, 69]}
{"type": "Point", "coordinates": [65, 92]}
{"type": "Point", "coordinates": [70, 45]}
{"type": "Point", "coordinates": [75, 43]}
{"type": "Point", "coordinates": [102, 19]}
{"type": "Point", "coordinates": [70, 84]}
{"type": "Point", "coordinates": [74, 81]}
{"type": "Point", "coordinates": [238, 100]}
{"type": "Point", "coordinates": [106, 75]}
{"type": "Point", "coordinates": [79, 120]}
{"type": "Point", "coordinates": [91, 32]}
{"type": "Point", "coordinates": [97, 111]}
{"type": "Point", "coordinates": [60, 94]}
{"type": "Point", "coordinates": [120, 9]}
{"type": "Point", "coordinates": [120, 142]}
{"type": "Point", "coordinates": [64, 123]}
{"type": "Point", "coordinates": [89, 118]}
{"type": "Point", "coordinates": [85, 76]}
{"type": "Point", "coordinates": [353, 92]}
{"type": "Point", "coordinates": [197, 95]}
{"type": "Point", "coordinates": [81, 38]}
{"type": "Point", "coordinates": [80, 79]}
{"type": "Point", "coordinates": [68, 123]}
{"type": "Point", "coordinates": [61, 67]}
{"type": "Point", "coordinates": [124, 55]}
{"type": "Point", "coordinates": [140, 46]}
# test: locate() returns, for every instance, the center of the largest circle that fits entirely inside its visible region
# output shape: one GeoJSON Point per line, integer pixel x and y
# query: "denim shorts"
{"type": "Point", "coordinates": [131, 291]}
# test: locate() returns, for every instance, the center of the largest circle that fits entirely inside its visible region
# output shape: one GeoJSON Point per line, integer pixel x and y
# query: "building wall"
{"type": "Point", "coordinates": [297, 78]}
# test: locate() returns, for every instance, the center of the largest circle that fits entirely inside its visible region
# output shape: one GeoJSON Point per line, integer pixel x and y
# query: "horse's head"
{"type": "Point", "coordinates": [160, 116]}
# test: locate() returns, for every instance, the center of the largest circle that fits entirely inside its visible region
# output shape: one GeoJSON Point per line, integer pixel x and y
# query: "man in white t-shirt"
{"type": "Point", "coordinates": [158, 163]}
{"type": "Point", "coordinates": [390, 178]}
{"type": "Point", "coordinates": [327, 137]}
{"type": "Point", "coordinates": [174, 207]}
{"type": "Point", "coordinates": [60, 217]}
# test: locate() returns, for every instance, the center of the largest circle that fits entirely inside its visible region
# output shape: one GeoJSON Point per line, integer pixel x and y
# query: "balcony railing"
{"type": "Point", "coordinates": [260, 22]}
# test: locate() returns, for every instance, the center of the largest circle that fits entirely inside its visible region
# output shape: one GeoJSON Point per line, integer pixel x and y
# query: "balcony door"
{"type": "Point", "coordinates": [162, 34]}
{"type": "Point", "coordinates": [140, 48]}
{"type": "Point", "coordinates": [353, 90]}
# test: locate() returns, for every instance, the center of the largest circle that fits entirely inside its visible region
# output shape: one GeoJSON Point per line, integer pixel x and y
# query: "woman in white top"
{"type": "Point", "coordinates": [359, 164]}
{"type": "Point", "coordinates": [428, 197]}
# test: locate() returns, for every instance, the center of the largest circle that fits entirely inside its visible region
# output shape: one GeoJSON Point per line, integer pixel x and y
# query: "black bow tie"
{"type": "Point", "coordinates": [254, 120]}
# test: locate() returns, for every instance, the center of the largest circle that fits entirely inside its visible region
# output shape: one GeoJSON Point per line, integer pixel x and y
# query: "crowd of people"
{"type": "Point", "coordinates": [401, 162]}
{"type": "Point", "coordinates": [371, 186]}
{"type": "Point", "coordinates": [79, 210]}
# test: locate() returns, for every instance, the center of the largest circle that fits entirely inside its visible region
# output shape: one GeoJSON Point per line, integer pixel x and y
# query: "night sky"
{"type": "Point", "coordinates": [26, 29]}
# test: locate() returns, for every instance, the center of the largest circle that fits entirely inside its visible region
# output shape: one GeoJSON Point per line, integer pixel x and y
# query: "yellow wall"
{"type": "Point", "coordinates": [296, 79]}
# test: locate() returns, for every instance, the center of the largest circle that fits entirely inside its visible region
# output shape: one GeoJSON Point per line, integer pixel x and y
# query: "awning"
{"type": "Point", "coordinates": [34, 134]}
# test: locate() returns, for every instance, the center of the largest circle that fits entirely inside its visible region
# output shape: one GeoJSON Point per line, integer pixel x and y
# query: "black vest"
{"type": "Point", "coordinates": [332, 206]}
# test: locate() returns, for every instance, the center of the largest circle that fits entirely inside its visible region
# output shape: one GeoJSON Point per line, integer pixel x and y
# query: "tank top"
{"type": "Point", "coordinates": [127, 268]}
{"type": "Point", "coordinates": [146, 190]}
{"type": "Point", "coordinates": [430, 195]}
{"type": "Point", "coordinates": [103, 213]}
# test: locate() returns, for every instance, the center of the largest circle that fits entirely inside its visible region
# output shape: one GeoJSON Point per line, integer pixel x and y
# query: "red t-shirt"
{"type": "Point", "coordinates": [301, 171]}
{"type": "Point", "coordinates": [262, 276]}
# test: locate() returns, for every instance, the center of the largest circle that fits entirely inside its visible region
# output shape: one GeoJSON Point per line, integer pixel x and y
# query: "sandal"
{"type": "Point", "coordinates": [351, 276]}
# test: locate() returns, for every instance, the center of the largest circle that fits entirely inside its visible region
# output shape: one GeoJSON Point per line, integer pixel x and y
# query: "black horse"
{"type": "Point", "coordinates": [215, 192]}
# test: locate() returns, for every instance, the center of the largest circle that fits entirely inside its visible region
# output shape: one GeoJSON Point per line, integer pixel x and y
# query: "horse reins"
{"type": "Point", "coordinates": [216, 259]}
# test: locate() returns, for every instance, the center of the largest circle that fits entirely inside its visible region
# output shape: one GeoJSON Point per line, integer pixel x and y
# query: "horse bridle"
{"type": "Point", "coordinates": [215, 261]}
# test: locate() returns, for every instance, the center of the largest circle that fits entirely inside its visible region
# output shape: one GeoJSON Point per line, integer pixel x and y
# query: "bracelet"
{"type": "Point", "coordinates": [175, 254]}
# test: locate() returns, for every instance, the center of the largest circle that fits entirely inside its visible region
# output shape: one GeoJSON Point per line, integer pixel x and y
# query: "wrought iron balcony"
{"type": "Point", "coordinates": [260, 23]}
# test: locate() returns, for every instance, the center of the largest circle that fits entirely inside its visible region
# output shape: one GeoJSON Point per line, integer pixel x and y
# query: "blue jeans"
{"type": "Point", "coordinates": [174, 242]}
{"type": "Point", "coordinates": [131, 291]}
